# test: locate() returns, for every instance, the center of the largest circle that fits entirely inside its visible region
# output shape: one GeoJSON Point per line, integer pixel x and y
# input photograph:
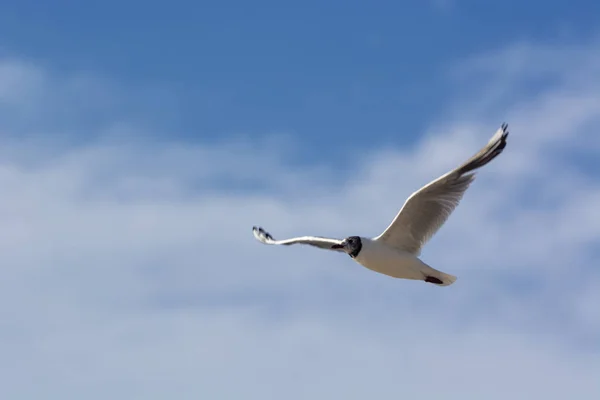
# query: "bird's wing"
{"type": "Point", "coordinates": [324, 243]}
{"type": "Point", "coordinates": [426, 210]}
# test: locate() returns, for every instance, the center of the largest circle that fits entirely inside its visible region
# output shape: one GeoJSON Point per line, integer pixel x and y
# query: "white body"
{"type": "Point", "coordinates": [379, 257]}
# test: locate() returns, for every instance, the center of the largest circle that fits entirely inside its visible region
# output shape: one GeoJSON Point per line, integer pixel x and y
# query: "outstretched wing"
{"type": "Point", "coordinates": [323, 243]}
{"type": "Point", "coordinates": [427, 209]}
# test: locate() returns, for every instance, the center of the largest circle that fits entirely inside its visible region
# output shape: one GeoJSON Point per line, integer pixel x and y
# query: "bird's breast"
{"type": "Point", "coordinates": [389, 261]}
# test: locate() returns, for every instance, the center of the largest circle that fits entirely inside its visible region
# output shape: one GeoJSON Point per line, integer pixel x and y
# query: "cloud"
{"type": "Point", "coordinates": [129, 269]}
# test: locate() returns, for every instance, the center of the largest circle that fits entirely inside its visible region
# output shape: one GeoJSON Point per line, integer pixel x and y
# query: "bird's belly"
{"type": "Point", "coordinates": [393, 263]}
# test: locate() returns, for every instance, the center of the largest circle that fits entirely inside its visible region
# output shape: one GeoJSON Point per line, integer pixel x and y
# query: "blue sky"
{"type": "Point", "coordinates": [140, 142]}
{"type": "Point", "coordinates": [325, 71]}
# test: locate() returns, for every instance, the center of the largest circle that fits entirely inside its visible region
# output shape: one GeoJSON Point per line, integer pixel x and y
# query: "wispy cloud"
{"type": "Point", "coordinates": [129, 268]}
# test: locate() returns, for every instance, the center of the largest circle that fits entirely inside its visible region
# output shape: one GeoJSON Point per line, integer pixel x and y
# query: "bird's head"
{"type": "Point", "coordinates": [351, 245]}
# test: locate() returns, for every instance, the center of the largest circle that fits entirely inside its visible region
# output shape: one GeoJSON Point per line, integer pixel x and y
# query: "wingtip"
{"type": "Point", "coordinates": [505, 133]}
{"type": "Point", "coordinates": [499, 139]}
{"type": "Point", "coordinates": [261, 235]}
{"type": "Point", "coordinates": [504, 130]}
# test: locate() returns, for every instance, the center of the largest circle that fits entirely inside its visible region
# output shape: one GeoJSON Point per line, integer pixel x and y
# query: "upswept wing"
{"type": "Point", "coordinates": [427, 209]}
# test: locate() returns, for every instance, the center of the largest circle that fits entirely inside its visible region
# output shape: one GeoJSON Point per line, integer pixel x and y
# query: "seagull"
{"type": "Point", "coordinates": [396, 251]}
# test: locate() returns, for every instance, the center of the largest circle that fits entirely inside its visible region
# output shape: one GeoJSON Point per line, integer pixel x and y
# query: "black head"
{"type": "Point", "coordinates": [352, 245]}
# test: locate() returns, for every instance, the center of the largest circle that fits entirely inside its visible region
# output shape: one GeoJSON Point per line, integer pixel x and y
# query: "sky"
{"type": "Point", "coordinates": [141, 141]}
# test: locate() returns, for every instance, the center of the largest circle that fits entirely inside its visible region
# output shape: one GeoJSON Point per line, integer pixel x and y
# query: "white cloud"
{"type": "Point", "coordinates": [129, 268]}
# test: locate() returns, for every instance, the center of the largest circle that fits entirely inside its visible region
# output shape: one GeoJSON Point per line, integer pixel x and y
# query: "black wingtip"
{"type": "Point", "coordinates": [260, 232]}
{"type": "Point", "coordinates": [505, 131]}
{"type": "Point", "coordinates": [494, 147]}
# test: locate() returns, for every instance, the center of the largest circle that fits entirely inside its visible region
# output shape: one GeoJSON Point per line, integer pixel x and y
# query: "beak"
{"type": "Point", "coordinates": [337, 246]}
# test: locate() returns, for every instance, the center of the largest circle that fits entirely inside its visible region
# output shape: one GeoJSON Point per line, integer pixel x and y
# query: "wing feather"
{"type": "Point", "coordinates": [427, 209]}
{"type": "Point", "coordinates": [321, 242]}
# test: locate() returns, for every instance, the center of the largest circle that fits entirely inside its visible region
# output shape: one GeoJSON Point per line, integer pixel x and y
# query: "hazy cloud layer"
{"type": "Point", "coordinates": [129, 269]}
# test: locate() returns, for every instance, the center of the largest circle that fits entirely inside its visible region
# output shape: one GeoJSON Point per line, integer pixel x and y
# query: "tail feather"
{"type": "Point", "coordinates": [440, 278]}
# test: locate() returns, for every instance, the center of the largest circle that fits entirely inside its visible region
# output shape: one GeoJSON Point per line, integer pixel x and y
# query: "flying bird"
{"type": "Point", "coordinates": [396, 251]}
